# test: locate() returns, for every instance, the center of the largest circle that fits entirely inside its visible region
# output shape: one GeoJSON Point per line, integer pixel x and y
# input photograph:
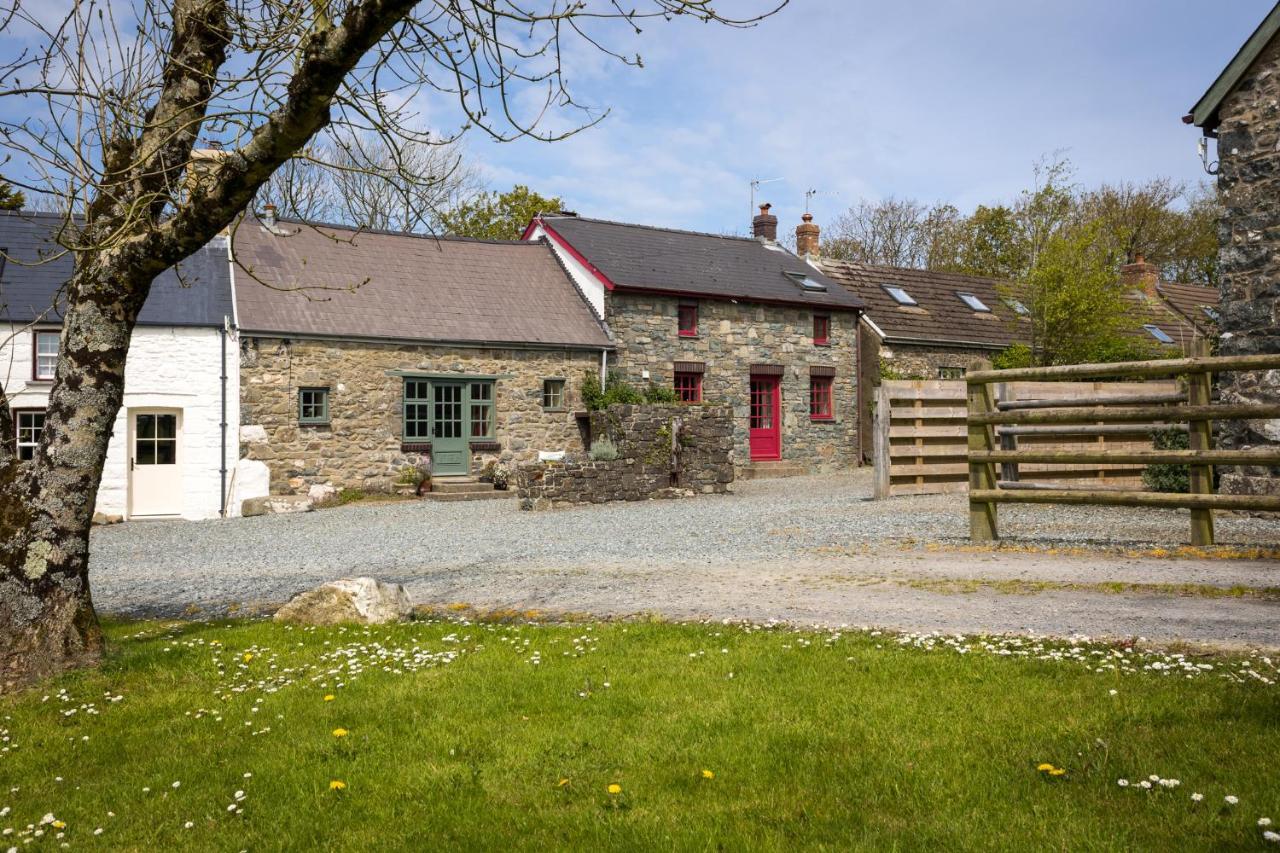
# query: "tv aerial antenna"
{"type": "Point", "coordinates": [755, 185]}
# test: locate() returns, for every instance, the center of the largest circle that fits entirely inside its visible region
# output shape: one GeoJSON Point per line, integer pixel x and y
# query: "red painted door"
{"type": "Point", "coordinates": [766, 418]}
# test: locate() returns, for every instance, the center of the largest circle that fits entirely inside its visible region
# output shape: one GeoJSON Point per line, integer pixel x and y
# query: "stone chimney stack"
{"type": "Point", "coordinates": [1141, 275]}
{"type": "Point", "coordinates": [764, 226]}
{"type": "Point", "coordinates": [269, 216]}
{"type": "Point", "coordinates": [807, 237]}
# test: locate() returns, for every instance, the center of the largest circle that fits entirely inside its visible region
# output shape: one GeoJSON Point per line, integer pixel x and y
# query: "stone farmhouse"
{"type": "Point", "coordinates": [365, 354]}
{"type": "Point", "coordinates": [174, 444]}
{"type": "Point", "coordinates": [736, 320]}
{"type": "Point", "coordinates": [1241, 109]}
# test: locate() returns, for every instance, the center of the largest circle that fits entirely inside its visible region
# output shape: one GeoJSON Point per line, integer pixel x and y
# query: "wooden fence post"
{"type": "Point", "coordinates": [982, 475]}
{"type": "Point", "coordinates": [880, 447]}
{"type": "Point", "coordinates": [1199, 393]}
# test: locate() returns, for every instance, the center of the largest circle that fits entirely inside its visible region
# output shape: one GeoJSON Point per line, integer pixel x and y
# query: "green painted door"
{"type": "Point", "coordinates": [450, 453]}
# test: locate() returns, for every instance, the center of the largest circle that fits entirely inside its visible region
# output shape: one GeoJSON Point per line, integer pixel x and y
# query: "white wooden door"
{"type": "Point", "coordinates": [155, 475]}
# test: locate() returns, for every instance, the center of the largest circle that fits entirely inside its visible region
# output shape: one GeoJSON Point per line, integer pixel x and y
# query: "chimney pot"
{"type": "Point", "coordinates": [1141, 275]}
{"type": "Point", "coordinates": [807, 237]}
{"type": "Point", "coordinates": [765, 225]}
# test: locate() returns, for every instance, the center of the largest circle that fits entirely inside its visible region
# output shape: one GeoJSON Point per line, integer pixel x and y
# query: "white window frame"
{"type": "Point", "coordinates": [36, 355]}
{"type": "Point", "coordinates": [33, 442]}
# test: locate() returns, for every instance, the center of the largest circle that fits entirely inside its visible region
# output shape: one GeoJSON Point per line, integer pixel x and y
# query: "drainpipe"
{"type": "Point", "coordinates": [604, 368]}
{"type": "Point", "coordinates": [222, 467]}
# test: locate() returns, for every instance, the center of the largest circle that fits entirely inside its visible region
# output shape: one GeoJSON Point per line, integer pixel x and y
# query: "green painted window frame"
{"type": "Point", "coordinates": [479, 396]}
{"type": "Point", "coordinates": [314, 418]}
{"type": "Point", "coordinates": [555, 391]}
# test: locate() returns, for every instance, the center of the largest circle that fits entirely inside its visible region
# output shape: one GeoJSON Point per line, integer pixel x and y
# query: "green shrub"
{"type": "Point", "coordinates": [1168, 478]}
{"type": "Point", "coordinates": [659, 394]}
{"type": "Point", "coordinates": [603, 450]}
{"type": "Point", "coordinates": [616, 391]}
{"type": "Point", "coordinates": [1015, 355]}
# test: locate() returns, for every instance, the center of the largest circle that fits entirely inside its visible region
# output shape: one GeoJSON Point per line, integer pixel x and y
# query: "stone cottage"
{"type": "Point", "coordinates": [1242, 111]}
{"type": "Point", "coordinates": [736, 320]}
{"type": "Point", "coordinates": [367, 355]}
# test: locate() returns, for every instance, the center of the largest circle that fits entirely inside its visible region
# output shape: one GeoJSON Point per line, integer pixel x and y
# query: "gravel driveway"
{"type": "Point", "coordinates": [807, 549]}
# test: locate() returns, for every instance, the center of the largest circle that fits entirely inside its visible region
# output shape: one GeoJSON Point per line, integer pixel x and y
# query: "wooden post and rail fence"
{"type": "Point", "coordinates": [1193, 411]}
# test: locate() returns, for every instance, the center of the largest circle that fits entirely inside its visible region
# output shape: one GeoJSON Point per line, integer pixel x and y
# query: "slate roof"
{"type": "Point", "coordinates": [940, 318]}
{"type": "Point", "coordinates": [665, 260]}
{"type": "Point", "coordinates": [197, 294]}
{"type": "Point", "coordinates": [336, 281]}
{"type": "Point", "coordinates": [1190, 301]}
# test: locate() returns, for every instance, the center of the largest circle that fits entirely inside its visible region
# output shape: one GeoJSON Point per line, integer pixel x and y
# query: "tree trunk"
{"type": "Point", "coordinates": [47, 622]}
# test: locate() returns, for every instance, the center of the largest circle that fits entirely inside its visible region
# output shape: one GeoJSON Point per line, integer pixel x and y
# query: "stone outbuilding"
{"type": "Point", "coordinates": [724, 319]}
{"type": "Point", "coordinates": [369, 356]}
{"type": "Point", "coordinates": [1241, 110]}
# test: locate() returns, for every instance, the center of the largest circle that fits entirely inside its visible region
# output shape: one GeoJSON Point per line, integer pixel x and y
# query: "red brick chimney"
{"type": "Point", "coordinates": [807, 237]}
{"type": "Point", "coordinates": [764, 226]}
{"type": "Point", "coordinates": [1141, 275]}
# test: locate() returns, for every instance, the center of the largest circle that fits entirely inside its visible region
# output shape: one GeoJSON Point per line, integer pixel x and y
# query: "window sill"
{"type": "Point", "coordinates": [822, 343]}
{"type": "Point", "coordinates": [485, 444]}
{"type": "Point", "coordinates": [554, 409]}
{"type": "Point", "coordinates": [40, 381]}
{"type": "Point", "coordinates": [822, 419]}
{"type": "Point", "coordinates": [314, 423]}
{"type": "Point", "coordinates": [415, 446]}
{"type": "Point", "coordinates": [687, 335]}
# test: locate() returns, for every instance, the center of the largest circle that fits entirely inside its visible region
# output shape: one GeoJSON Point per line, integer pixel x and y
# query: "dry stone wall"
{"type": "Point", "coordinates": [663, 452]}
{"type": "Point", "coordinates": [361, 446]}
{"type": "Point", "coordinates": [1249, 257]}
{"type": "Point", "coordinates": [731, 338]}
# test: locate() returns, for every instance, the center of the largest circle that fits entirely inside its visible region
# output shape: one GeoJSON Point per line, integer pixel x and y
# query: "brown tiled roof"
{"type": "Point", "coordinates": [644, 257]}
{"type": "Point", "coordinates": [939, 315]}
{"type": "Point", "coordinates": [1191, 300]}
{"type": "Point", "coordinates": [941, 318]}
{"type": "Point", "coordinates": [341, 282]}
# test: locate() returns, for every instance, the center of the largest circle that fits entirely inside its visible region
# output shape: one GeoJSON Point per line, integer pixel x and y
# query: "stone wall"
{"type": "Point", "coordinates": [361, 446]}
{"type": "Point", "coordinates": [1249, 257]}
{"type": "Point", "coordinates": [732, 337]}
{"type": "Point", "coordinates": [663, 452]}
{"type": "Point", "coordinates": [910, 361]}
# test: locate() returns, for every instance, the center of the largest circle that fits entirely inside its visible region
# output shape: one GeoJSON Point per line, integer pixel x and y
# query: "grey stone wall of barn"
{"type": "Point", "coordinates": [1249, 258]}
{"type": "Point", "coordinates": [361, 447]}
{"type": "Point", "coordinates": [663, 452]}
{"type": "Point", "coordinates": [733, 336]}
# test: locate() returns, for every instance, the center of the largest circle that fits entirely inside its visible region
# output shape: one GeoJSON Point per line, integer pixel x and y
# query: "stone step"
{"type": "Point", "coordinates": [491, 495]}
{"type": "Point", "coordinates": [459, 485]}
{"type": "Point", "coordinates": [770, 470]}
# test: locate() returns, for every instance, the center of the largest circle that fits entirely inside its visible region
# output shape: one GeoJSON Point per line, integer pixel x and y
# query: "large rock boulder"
{"type": "Point", "coordinates": [362, 600]}
{"type": "Point", "coordinates": [276, 505]}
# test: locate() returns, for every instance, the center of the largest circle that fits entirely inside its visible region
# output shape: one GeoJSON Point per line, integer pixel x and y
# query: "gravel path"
{"type": "Point", "coordinates": [810, 549]}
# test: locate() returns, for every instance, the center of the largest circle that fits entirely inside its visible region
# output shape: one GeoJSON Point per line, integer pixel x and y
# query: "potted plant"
{"type": "Point", "coordinates": [409, 480]}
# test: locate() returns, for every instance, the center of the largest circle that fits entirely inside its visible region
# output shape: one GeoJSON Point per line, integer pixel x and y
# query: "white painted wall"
{"type": "Point", "coordinates": [168, 368]}
{"type": "Point", "coordinates": [590, 286]}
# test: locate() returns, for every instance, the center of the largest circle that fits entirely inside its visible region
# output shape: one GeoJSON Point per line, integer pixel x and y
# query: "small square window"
{"type": "Point", "coordinates": [974, 302]}
{"type": "Point", "coordinates": [688, 320]}
{"type": "Point", "coordinates": [29, 425]}
{"type": "Point", "coordinates": [1158, 333]}
{"type": "Point", "coordinates": [553, 393]}
{"type": "Point", "coordinates": [821, 329]}
{"type": "Point", "coordinates": [45, 355]}
{"type": "Point", "coordinates": [313, 405]}
{"type": "Point", "coordinates": [951, 373]}
{"type": "Point", "coordinates": [688, 386]}
{"type": "Point", "coordinates": [820, 398]}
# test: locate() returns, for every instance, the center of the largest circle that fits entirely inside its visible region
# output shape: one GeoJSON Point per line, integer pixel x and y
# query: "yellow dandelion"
{"type": "Point", "coordinates": [339, 732]}
{"type": "Point", "coordinates": [562, 783]}
{"type": "Point", "coordinates": [615, 788]}
{"type": "Point", "coordinates": [707, 774]}
{"type": "Point", "coordinates": [1044, 768]}
{"type": "Point", "coordinates": [329, 697]}
{"type": "Point", "coordinates": [337, 785]}
{"type": "Point", "coordinates": [1058, 771]}
{"type": "Point", "coordinates": [58, 824]}
{"type": "Point", "coordinates": [248, 656]}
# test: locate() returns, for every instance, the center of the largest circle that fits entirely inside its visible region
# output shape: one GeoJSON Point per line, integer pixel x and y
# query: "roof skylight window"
{"type": "Point", "coordinates": [807, 283]}
{"type": "Point", "coordinates": [973, 302]}
{"type": "Point", "coordinates": [1210, 312]}
{"type": "Point", "coordinates": [1158, 333]}
{"type": "Point", "coordinates": [899, 295]}
{"type": "Point", "coordinates": [1017, 306]}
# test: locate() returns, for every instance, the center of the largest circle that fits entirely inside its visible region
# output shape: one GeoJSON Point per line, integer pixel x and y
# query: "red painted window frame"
{"type": "Point", "coordinates": [693, 383]}
{"type": "Point", "coordinates": [35, 353]}
{"type": "Point", "coordinates": [692, 331]}
{"type": "Point", "coordinates": [821, 390]}
{"type": "Point", "coordinates": [821, 330]}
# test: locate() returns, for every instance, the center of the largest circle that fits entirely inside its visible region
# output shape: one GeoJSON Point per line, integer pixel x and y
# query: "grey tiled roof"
{"type": "Point", "coordinates": [337, 281]}
{"type": "Point", "coordinates": [640, 257]}
{"type": "Point", "coordinates": [197, 294]}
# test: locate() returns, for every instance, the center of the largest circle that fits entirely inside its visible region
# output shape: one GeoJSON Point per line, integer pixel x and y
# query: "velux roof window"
{"type": "Point", "coordinates": [806, 283]}
{"type": "Point", "coordinates": [1018, 308]}
{"type": "Point", "coordinates": [899, 295]}
{"type": "Point", "coordinates": [973, 302]}
{"type": "Point", "coordinates": [1210, 312]}
{"type": "Point", "coordinates": [1158, 333]}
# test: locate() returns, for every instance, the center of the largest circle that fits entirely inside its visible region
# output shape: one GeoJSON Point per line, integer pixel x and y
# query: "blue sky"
{"type": "Point", "coordinates": [932, 99]}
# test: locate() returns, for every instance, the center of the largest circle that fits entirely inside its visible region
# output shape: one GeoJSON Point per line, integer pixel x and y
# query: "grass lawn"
{"type": "Point", "coordinates": [448, 734]}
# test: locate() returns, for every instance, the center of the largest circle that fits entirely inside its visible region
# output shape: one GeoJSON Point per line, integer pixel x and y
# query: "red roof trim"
{"type": "Point", "coordinates": [573, 253]}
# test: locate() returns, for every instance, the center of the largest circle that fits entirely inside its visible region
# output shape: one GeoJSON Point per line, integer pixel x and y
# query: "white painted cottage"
{"type": "Point", "coordinates": [174, 446]}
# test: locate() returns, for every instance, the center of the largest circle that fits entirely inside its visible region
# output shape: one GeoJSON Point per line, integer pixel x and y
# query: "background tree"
{"type": "Point", "coordinates": [11, 199]}
{"type": "Point", "coordinates": [109, 107]}
{"type": "Point", "coordinates": [498, 216]}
